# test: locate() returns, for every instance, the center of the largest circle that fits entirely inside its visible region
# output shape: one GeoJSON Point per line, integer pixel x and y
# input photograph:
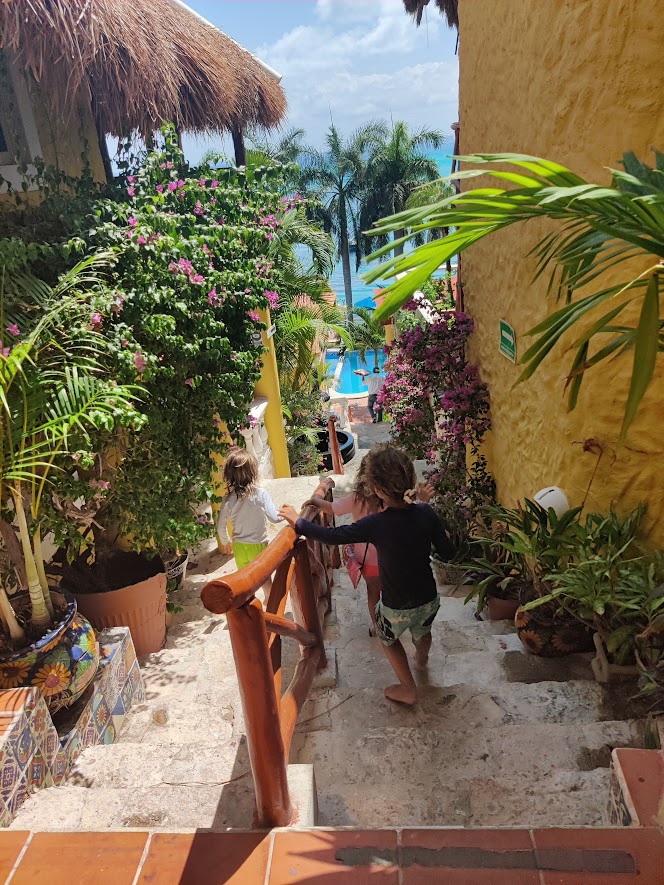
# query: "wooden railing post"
{"type": "Point", "coordinates": [304, 598]}
{"type": "Point", "coordinates": [261, 714]}
{"type": "Point", "coordinates": [337, 461]}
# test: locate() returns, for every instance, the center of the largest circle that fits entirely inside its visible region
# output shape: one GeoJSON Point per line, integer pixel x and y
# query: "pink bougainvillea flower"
{"type": "Point", "coordinates": [141, 240]}
{"type": "Point", "coordinates": [160, 188]}
{"type": "Point", "coordinates": [269, 236]}
{"type": "Point", "coordinates": [213, 202]}
{"type": "Point", "coordinates": [131, 221]}
{"type": "Point", "coordinates": [95, 320]}
{"type": "Point", "coordinates": [4, 350]}
{"type": "Point", "coordinates": [206, 249]}
{"type": "Point", "coordinates": [189, 382]}
{"type": "Point", "coordinates": [212, 296]}
{"type": "Point", "coordinates": [214, 184]}
{"type": "Point", "coordinates": [131, 191]}
{"type": "Point", "coordinates": [131, 179]}
{"type": "Point", "coordinates": [180, 182]}
{"type": "Point", "coordinates": [119, 304]}
{"type": "Point", "coordinates": [272, 299]}
{"type": "Point", "coordinates": [139, 362]}
{"type": "Point", "coordinates": [201, 181]}
{"type": "Point", "coordinates": [172, 185]}
{"type": "Point", "coordinates": [197, 278]}
{"type": "Point", "coordinates": [198, 209]}
{"type": "Point", "coordinates": [254, 316]}
{"type": "Point", "coordinates": [13, 329]}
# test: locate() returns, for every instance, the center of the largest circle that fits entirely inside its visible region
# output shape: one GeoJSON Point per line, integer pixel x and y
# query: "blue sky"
{"type": "Point", "coordinates": [355, 60]}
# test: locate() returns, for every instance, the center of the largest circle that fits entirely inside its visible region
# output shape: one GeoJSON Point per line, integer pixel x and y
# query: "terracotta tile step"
{"type": "Point", "coordinates": [602, 856]}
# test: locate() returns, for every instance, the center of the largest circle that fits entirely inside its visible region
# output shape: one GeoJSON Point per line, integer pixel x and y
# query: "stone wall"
{"type": "Point", "coordinates": [579, 82]}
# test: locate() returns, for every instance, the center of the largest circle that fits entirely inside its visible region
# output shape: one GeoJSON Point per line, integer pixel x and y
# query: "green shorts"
{"type": "Point", "coordinates": [392, 622]}
{"type": "Point", "coordinates": [246, 553]}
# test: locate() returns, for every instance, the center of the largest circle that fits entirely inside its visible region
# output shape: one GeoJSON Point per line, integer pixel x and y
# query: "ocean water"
{"type": "Point", "coordinates": [362, 291]}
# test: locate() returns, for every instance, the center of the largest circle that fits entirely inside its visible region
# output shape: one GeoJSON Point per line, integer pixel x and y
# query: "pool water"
{"type": "Point", "coordinates": [348, 382]}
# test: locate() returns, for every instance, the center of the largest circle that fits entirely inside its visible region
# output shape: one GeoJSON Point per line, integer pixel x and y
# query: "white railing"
{"type": "Point", "coordinates": [256, 438]}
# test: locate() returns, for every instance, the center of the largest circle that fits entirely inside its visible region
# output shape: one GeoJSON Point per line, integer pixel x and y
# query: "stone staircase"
{"type": "Point", "coordinates": [499, 738]}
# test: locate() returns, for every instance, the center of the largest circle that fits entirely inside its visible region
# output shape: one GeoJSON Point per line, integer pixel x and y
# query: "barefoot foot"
{"type": "Point", "coordinates": [401, 694]}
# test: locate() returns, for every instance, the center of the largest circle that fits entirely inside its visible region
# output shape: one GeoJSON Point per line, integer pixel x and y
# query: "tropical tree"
{"type": "Point", "coordinates": [288, 148]}
{"type": "Point", "coordinates": [367, 334]}
{"type": "Point", "coordinates": [398, 166]}
{"type": "Point", "coordinates": [54, 401]}
{"type": "Point", "coordinates": [303, 257]}
{"type": "Point", "coordinates": [598, 229]}
{"type": "Point", "coordinates": [336, 176]}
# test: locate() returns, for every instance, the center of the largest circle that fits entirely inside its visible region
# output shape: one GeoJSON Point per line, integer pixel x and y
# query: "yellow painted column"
{"type": "Point", "coordinates": [268, 386]}
{"type": "Point", "coordinates": [389, 333]}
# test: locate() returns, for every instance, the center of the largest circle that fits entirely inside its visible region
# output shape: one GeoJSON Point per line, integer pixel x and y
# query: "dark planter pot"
{"type": "Point", "coordinates": [548, 634]}
{"type": "Point", "coordinates": [346, 446]}
{"type": "Point", "coordinates": [176, 572]}
{"type": "Point", "coordinates": [61, 664]}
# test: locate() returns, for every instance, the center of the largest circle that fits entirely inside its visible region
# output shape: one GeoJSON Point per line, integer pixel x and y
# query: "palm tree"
{"type": "Point", "coordinates": [398, 167]}
{"type": "Point", "coordinates": [303, 319]}
{"type": "Point", "coordinates": [336, 176]}
{"type": "Point", "coordinates": [367, 334]}
{"type": "Point", "coordinates": [599, 228]}
{"type": "Point", "coordinates": [53, 398]}
{"type": "Point", "coordinates": [448, 9]}
{"type": "Point", "coordinates": [286, 149]}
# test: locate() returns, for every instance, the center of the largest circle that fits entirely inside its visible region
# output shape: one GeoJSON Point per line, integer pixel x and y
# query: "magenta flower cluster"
{"type": "Point", "coordinates": [440, 410]}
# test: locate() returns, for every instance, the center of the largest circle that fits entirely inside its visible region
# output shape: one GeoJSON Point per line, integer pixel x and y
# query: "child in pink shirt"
{"type": "Point", "coordinates": [360, 503]}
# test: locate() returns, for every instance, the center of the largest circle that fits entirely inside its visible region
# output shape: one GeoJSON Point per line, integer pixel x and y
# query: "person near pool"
{"type": "Point", "coordinates": [246, 506]}
{"type": "Point", "coordinates": [374, 383]}
{"type": "Point", "coordinates": [403, 534]}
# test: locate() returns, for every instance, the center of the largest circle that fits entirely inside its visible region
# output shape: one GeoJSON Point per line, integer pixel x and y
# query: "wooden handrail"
{"type": "Point", "coordinates": [335, 451]}
{"type": "Point", "coordinates": [302, 569]}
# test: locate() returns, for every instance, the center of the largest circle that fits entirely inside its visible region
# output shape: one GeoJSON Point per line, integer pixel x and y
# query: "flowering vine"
{"type": "Point", "coordinates": [440, 413]}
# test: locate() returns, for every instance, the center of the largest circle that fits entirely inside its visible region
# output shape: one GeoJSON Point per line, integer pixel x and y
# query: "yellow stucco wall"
{"type": "Point", "coordinates": [580, 82]}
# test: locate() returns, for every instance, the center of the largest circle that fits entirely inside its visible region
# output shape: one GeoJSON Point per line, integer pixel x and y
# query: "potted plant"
{"type": "Point", "coordinates": [497, 583]}
{"type": "Point", "coordinates": [540, 542]}
{"type": "Point", "coordinates": [55, 403]}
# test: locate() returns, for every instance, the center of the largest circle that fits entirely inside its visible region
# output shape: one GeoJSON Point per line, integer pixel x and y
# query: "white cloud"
{"type": "Point", "coordinates": [362, 60]}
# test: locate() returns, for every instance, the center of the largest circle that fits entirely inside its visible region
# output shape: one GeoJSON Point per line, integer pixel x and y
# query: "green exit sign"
{"type": "Point", "coordinates": [507, 341]}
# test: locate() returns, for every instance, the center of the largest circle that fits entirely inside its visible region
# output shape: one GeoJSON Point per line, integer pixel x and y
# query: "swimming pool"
{"type": "Point", "coordinates": [346, 381]}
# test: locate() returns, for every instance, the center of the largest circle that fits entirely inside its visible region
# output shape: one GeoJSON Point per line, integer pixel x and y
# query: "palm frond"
{"type": "Point", "coordinates": [599, 229]}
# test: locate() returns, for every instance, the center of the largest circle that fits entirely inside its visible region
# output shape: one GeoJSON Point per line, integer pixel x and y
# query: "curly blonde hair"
{"type": "Point", "coordinates": [240, 472]}
{"type": "Point", "coordinates": [364, 493]}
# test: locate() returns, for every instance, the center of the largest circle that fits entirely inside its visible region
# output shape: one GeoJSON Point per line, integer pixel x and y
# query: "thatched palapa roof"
{"type": "Point", "coordinates": [449, 9]}
{"type": "Point", "coordinates": [141, 62]}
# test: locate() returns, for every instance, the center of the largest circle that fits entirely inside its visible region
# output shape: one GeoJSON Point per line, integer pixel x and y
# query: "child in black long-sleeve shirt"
{"type": "Point", "coordinates": [403, 534]}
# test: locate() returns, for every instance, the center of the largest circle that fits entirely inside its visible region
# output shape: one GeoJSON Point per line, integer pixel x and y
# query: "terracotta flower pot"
{"type": "Point", "coordinates": [141, 607]}
{"type": "Point", "coordinates": [501, 609]}
{"type": "Point", "coordinates": [61, 664]}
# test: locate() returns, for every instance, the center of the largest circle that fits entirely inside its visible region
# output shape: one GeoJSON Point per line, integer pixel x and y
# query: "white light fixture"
{"type": "Point", "coordinates": [552, 498]}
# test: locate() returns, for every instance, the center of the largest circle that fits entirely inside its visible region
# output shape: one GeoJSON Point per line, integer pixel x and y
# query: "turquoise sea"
{"type": "Point", "coordinates": [361, 291]}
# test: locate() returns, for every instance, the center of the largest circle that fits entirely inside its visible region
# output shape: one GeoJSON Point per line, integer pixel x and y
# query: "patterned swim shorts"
{"type": "Point", "coordinates": [392, 622]}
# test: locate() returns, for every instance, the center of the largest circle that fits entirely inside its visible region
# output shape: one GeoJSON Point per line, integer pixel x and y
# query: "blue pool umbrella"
{"type": "Point", "coordinates": [368, 303]}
